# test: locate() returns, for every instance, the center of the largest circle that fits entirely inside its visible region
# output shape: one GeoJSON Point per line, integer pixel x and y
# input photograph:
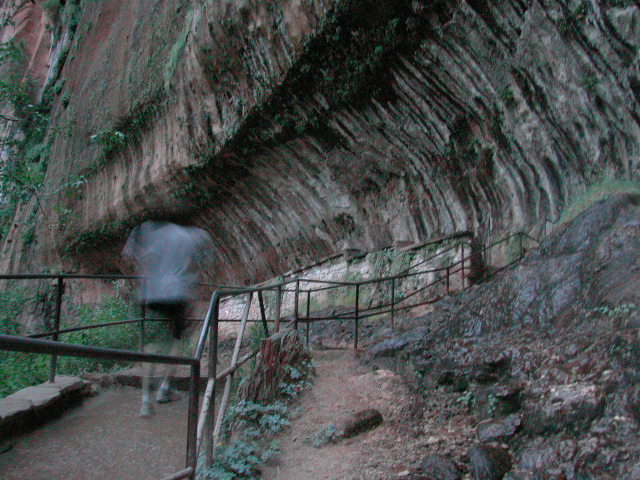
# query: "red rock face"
{"type": "Point", "coordinates": [291, 132]}
{"type": "Point", "coordinates": [31, 26]}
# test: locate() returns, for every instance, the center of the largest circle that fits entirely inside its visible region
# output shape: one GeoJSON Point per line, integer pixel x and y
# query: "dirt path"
{"type": "Point", "coordinates": [342, 387]}
{"type": "Point", "coordinates": [102, 439]}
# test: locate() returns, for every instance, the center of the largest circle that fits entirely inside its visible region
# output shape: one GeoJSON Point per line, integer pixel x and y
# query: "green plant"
{"type": "Point", "coordinates": [589, 81]}
{"type": "Point", "coordinates": [571, 22]}
{"type": "Point", "coordinates": [29, 234]}
{"type": "Point", "coordinates": [327, 434]}
{"type": "Point", "coordinates": [507, 96]}
{"type": "Point", "coordinates": [12, 302]}
{"type": "Point", "coordinates": [53, 7]}
{"type": "Point", "coordinates": [468, 399]}
{"type": "Point", "coordinates": [238, 461]}
{"type": "Point", "coordinates": [296, 379]}
{"type": "Point", "coordinates": [255, 335]}
{"type": "Point", "coordinates": [492, 404]}
{"type": "Point", "coordinates": [176, 52]}
{"type": "Point", "coordinates": [269, 419]}
{"type": "Point", "coordinates": [515, 249]}
{"type": "Point", "coordinates": [19, 370]}
{"type": "Point", "coordinates": [23, 171]}
{"type": "Point", "coordinates": [109, 140]}
{"type": "Point", "coordinates": [251, 425]}
{"type": "Point", "coordinates": [600, 189]}
{"type": "Point", "coordinates": [624, 309]}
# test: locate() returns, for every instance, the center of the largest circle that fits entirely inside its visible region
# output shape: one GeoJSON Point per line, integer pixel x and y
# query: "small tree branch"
{"type": "Point", "coordinates": [9, 118]}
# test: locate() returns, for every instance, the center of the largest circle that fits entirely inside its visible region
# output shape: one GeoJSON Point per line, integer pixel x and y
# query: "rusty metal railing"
{"type": "Point", "coordinates": [207, 432]}
{"type": "Point", "coordinates": [32, 345]}
{"type": "Point", "coordinates": [35, 344]}
{"type": "Point", "coordinates": [201, 428]}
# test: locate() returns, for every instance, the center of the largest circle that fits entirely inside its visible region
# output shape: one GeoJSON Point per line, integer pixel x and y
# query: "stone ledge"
{"type": "Point", "coordinates": [133, 378]}
{"type": "Point", "coordinates": [33, 405]}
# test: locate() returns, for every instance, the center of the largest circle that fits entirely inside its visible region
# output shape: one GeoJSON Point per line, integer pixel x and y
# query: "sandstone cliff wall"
{"type": "Point", "coordinates": [294, 129]}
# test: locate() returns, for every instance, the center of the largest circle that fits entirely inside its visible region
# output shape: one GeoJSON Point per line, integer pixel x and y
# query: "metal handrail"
{"type": "Point", "coordinates": [43, 276]}
{"type": "Point", "coordinates": [33, 345]}
{"type": "Point", "coordinates": [209, 332]}
{"type": "Point", "coordinates": [109, 324]}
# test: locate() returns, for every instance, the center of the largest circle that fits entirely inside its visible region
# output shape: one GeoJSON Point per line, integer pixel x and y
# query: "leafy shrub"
{"type": "Point", "coordinates": [255, 335]}
{"type": "Point", "coordinates": [297, 381]}
{"type": "Point", "coordinates": [251, 425]}
{"type": "Point", "coordinates": [268, 419]}
{"type": "Point", "coordinates": [109, 140]}
{"type": "Point", "coordinates": [19, 177]}
{"type": "Point", "coordinates": [19, 370]}
{"type": "Point", "coordinates": [240, 460]}
{"type": "Point", "coordinates": [624, 309]}
{"type": "Point", "coordinates": [112, 309]}
{"type": "Point", "coordinates": [250, 449]}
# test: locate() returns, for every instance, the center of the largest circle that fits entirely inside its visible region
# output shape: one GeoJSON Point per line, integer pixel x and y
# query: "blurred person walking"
{"type": "Point", "coordinates": [170, 258]}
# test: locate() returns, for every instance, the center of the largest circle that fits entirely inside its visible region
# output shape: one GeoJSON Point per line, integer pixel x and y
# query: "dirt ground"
{"type": "Point", "coordinates": [102, 439]}
{"type": "Point", "coordinates": [105, 439]}
{"type": "Point", "coordinates": [343, 386]}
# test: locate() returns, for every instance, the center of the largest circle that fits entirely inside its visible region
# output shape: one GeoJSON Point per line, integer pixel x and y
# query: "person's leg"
{"type": "Point", "coordinates": [145, 409]}
{"type": "Point", "coordinates": [178, 321]}
{"type": "Point", "coordinates": [165, 392]}
{"type": "Point", "coordinates": [161, 344]}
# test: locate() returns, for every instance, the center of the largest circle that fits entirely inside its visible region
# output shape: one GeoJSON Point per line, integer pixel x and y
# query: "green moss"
{"type": "Point", "coordinates": [53, 8]}
{"type": "Point", "coordinates": [175, 53]}
{"type": "Point", "coordinates": [589, 81]}
{"type": "Point", "coordinates": [29, 234]}
{"type": "Point", "coordinates": [507, 96]}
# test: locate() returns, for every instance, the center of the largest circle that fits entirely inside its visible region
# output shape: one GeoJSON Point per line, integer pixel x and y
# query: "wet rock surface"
{"type": "Point", "coordinates": [544, 359]}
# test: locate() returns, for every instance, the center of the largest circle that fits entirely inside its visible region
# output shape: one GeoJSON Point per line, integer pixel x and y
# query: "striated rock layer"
{"type": "Point", "coordinates": [294, 129]}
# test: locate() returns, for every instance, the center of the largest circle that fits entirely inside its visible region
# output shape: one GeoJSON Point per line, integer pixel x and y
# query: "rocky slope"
{"type": "Point", "coordinates": [536, 372]}
{"type": "Point", "coordinates": [294, 129]}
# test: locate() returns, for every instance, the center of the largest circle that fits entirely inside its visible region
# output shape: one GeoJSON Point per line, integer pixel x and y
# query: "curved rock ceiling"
{"type": "Point", "coordinates": [294, 129]}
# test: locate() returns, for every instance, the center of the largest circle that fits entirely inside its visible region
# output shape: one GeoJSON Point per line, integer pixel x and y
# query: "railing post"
{"type": "Point", "coordinates": [355, 342]}
{"type": "Point", "coordinates": [192, 422]}
{"type": "Point", "coordinates": [224, 401]}
{"type": "Point", "coordinates": [263, 314]}
{"type": "Point", "coordinates": [56, 326]}
{"type": "Point", "coordinates": [447, 281]}
{"type": "Point", "coordinates": [297, 300]}
{"type": "Point", "coordinates": [393, 303]}
{"type": "Point", "coordinates": [212, 372]}
{"type": "Point", "coordinates": [462, 267]}
{"type": "Point", "coordinates": [308, 315]}
{"type": "Point", "coordinates": [278, 307]}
